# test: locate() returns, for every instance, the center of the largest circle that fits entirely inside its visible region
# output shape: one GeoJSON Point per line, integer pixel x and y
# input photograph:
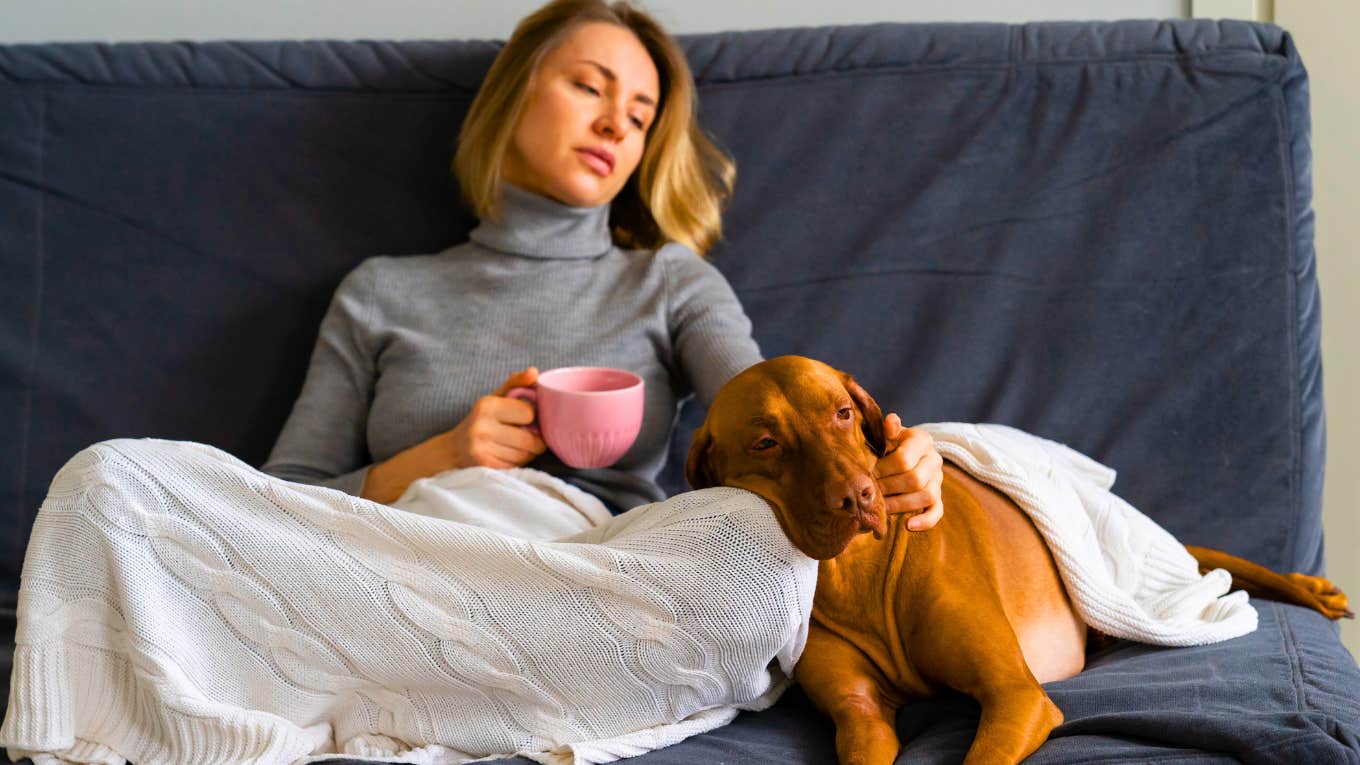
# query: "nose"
{"type": "Point", "coordinates": [852, 495]}
{"type": "Point", "coordinates": [611, 120]}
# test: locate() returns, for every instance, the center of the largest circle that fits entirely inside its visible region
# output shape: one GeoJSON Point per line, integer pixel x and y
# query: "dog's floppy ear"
{"type": "Point", "coordinates": [698, 471]}
{"type": "Point", "coordinates": [870, 413]}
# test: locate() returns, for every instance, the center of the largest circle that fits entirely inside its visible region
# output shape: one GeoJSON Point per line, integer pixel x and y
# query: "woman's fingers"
{"type": "Point", "coordinates": [913, 465]}
{"type": "Point", "coordinates": [521, 379]}
{"type": "Point", "coordinates": [927, 519]}
{"type": "Point", "coordinates": [504, 427]}
{"type": "Point", "coordinates": [506, 446]}
{"type": "Point", "coordinates": [913, 446]}
{"type": "Point", "coordinates": [499, 455]}
{"type": "Point", "coordinates": [507, 411]}
{"type": "Point", "coordinates": [918, 487]}
{"type": "Point", "coordinates": [520, 439]}
{"type": "Point", "coordinates": [911, 475]}
{"type": "Point", "coordinates": [496, 434]}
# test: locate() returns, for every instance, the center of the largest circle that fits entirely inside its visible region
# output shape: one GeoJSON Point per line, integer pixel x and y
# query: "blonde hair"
{"type": "Point", "coordinates": [683, 180]}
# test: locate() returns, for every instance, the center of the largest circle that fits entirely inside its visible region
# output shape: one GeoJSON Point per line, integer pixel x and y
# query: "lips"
{"type": "Point", "coordinates": [599, 160]}
{"type": "Point", "coordinates": [870, 520]}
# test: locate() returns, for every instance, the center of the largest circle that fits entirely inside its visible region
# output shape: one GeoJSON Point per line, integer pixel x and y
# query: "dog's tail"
{"type": "Point", "coordinates": [1260, 582]}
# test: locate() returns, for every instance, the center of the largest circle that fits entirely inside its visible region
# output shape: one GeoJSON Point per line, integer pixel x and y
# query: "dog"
{"type": "Point", "coordinates": [894, 609]}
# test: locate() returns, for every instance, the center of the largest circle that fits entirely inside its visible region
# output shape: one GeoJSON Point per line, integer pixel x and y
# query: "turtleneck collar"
{"type": "Point", "coordinates": [537, 226]}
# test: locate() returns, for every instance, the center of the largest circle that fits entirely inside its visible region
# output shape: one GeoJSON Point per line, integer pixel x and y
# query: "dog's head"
{"type": "Point", "coordinates": [805, 437]}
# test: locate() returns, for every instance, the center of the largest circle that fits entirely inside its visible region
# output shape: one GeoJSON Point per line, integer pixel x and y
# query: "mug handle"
{"type": "Point", "coordinates": [530, 395]}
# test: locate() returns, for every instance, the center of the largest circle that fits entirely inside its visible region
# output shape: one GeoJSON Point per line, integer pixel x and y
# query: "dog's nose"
{"type": "Point", "coordinates": [852, 495]}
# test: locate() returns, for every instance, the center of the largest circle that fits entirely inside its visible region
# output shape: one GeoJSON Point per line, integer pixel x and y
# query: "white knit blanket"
{"type": "Point", "coordinates": [178, 606]}
{"type": "Point", "coordinates": [1127, 576]}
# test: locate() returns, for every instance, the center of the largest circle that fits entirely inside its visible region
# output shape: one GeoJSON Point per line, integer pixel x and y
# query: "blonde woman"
{"type": "Point", "coordinates": [598, 194]}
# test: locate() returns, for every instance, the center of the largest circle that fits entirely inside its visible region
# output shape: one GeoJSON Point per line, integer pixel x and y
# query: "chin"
{"type": "Point", "coordinates": [580, 192]}
{"type": "Point", "coordinates": [828, 545]}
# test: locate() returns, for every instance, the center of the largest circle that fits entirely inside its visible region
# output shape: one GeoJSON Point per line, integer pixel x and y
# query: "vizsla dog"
{"type": "Point", "coordinates": [975, 604]}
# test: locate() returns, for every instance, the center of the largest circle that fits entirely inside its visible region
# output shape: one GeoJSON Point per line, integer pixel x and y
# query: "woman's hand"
{"type": "Point", "coordinates": [493, 433]}
{"type": "Point", "coordinates": [910, 474]}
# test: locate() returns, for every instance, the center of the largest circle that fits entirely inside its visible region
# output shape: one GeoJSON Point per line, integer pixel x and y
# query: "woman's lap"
{"type": "Point", "coordinates": [306, 604]}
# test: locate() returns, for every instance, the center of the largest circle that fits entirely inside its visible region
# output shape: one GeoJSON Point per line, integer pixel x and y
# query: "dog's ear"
{"type": "Point", "coordinates": [698, 470]}
{"type": "Point", "coordinates": [870, 414]}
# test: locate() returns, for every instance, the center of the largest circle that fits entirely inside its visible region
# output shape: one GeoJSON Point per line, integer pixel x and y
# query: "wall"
{"type": "Point", "coordinates": [51, 20]}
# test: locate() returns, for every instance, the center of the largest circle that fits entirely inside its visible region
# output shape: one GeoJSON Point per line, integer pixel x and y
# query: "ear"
{"type": "Point", "coordinates": [698, 470]}
{"type": "Point", "coordinates": [871, 415]}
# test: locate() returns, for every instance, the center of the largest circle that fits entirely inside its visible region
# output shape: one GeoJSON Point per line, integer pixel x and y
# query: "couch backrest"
{"type": "Point", "coordinates": [1096, 232]}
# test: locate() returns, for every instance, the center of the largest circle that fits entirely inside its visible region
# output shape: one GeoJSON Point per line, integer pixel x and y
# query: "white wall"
{"type": "Point", "coordinates": [70, 20]}
{"type": "Point", "coordinates": [1325, 31]}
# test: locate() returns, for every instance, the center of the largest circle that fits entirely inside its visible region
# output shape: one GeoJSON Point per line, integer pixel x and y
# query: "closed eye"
{"type": "Point", "coordinates": [637, 121]}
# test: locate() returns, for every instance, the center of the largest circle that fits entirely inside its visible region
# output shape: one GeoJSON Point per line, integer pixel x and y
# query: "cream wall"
{"type": "Point", "coordinates": [50, 20]}
{"type": "Point", "coordinates": [1327, 34]}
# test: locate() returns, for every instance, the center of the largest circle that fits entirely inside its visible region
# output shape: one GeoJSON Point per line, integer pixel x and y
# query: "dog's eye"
{"type": "Point", "coordinates": [844, 413]}
{"type": "Point", "coordinates": [765, 444]}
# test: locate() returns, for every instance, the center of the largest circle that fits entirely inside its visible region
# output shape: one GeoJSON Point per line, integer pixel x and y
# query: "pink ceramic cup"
{"type": "Point", "coordinates": [588, 416]}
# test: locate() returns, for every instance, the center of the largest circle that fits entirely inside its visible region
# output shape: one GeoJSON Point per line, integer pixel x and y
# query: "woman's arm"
{"type": "Point", "coordinates": [492, 435]}
{"type": "Point", "coordinates": [712, 338]}
{"type": "Point", "coordinates": [324, 440]}
{"type": "Point", "coordinates": [386, 481]}
{"type": "Point", "coordinates": [710, 334]}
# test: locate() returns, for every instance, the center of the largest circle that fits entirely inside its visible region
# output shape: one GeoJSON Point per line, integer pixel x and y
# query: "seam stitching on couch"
{"type": "Point", "coordinates": [27, 513]}
{"type": "Point", "coordinates": [1295, 668]}
{"type": "Point", "coordinates": [984, 68]}
{"type": "Point", "coordinates": [1186, 756]}
{"type": "Point", "coordinates": [1039, 283]}
{"type": "Point", "coordinates": [294, 89]}
{"type": "Point", "coordinates": [1290, 742]}
{"type": "Point", "coordinates": [1290, 547]}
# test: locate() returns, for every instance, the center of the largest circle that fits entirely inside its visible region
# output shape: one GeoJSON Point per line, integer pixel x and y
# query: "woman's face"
{"type": "Point", "coordinates": [586, 117]}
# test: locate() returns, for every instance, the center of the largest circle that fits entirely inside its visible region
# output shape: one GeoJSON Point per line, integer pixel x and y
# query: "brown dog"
{"type": "Point", "coordinates": [975, 604]}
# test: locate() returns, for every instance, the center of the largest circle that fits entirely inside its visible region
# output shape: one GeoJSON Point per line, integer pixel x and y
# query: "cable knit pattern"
{"type": "Point", "coordinates": [1127, 576]}
{"type": "Point", "coordinates": [178, 606]}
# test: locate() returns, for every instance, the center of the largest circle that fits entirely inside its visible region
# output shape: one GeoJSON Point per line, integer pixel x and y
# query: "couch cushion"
{"type": "Point", "coordinates": [1098, 234]}
{"type": "Point", "coordinates": [1284, 694]}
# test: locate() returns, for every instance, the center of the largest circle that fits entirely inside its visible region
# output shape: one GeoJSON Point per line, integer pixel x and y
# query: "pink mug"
{"type": "Point", "coordinates": [589, 416]}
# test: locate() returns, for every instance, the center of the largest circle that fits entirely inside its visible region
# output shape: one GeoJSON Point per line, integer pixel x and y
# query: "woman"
{"type": "Point", "coordinates": [220, 614]}
{"type": "Point", "coordinates": [596, 187]}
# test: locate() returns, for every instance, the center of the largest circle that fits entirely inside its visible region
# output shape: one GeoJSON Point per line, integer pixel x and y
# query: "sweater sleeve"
{"type": "Point", "coordinates": [324, 441]}
{"type": "Point", "coordinates": [710, 333]}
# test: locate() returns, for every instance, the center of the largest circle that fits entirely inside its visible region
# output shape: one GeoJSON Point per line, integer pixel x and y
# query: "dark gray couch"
{"type": "Point", "coordinates": [1100, 233]}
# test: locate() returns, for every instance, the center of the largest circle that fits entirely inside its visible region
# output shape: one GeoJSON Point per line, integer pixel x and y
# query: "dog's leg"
{"type": "Point", "coordinates": [976, 652]}
{"type": "Point", "coordinates": [1015, 721]}
{"type": "Point", "coordinates": [1260, 582]}
{"type": "Point", "coordinates": [844, 684]}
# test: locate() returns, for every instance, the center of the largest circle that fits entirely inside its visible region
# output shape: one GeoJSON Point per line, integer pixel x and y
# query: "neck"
{"type": "Point", "coordinates": [537, 226]}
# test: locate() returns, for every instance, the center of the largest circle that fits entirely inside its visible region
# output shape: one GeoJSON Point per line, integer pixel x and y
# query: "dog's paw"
{"type": "Point", "coordinates": [1327, 598]}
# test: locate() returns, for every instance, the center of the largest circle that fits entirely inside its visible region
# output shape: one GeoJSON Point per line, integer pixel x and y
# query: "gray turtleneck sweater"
{"type": "Point", "coordinates": [410, 343]}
